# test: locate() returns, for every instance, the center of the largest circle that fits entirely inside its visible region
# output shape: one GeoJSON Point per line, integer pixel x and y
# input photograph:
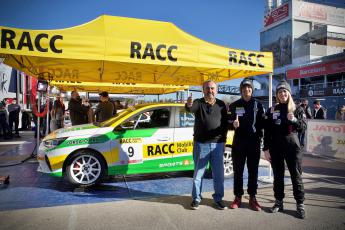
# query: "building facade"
{"type": "Point", "coordinates": [307, 39]}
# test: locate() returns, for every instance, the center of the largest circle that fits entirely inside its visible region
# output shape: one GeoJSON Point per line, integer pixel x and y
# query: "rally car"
{"type": "Point", "coordinates": [145, 138]}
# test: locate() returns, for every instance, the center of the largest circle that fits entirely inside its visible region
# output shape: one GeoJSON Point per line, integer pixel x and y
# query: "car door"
{"type": "Point", "coordinates": [183, 139]}
{"type": "Point", "coordinates": [145, 142]}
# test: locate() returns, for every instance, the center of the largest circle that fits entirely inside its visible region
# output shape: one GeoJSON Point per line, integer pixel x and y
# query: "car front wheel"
{"type": "Point", "coordinates": [85, 168]}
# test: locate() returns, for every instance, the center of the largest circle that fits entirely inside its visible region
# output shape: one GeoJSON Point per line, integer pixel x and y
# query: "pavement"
{"type": "Point", "coordinates": [158, 201]}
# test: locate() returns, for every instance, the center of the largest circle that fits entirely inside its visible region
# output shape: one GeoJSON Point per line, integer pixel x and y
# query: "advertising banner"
{"type": "Point", "coordinates": [276, 15]}
{"type": "Point", "coordinates": [326, 137]}
{"type": "Point", "coordinates": [337, 66]}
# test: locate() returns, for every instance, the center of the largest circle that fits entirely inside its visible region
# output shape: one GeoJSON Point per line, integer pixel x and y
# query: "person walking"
{"type": "Point", "coordinates": [247, 118]}
{"type": "Point", "coordinates": [210, 129]}
{"type": "Point", "coordinates": [281, 144]}
{"type": "Point", "coordinates": [77, 111]}
{"type": "Point", "coordinates": [319, 111]}
{"type": "Point", "coordinates": [105, 108]}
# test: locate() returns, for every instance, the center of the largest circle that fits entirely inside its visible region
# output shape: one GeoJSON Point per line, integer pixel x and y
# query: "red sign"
{"type": "Point", "coordinates": [276, 15]}
{"type": "Point", "coordinates": [317, 70]}
{"type": "Point", "coordinates": [313, 11]}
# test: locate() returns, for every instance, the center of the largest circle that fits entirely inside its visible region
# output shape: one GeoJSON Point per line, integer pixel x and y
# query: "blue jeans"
{"type": "Point", "coordinates": [202, 154]}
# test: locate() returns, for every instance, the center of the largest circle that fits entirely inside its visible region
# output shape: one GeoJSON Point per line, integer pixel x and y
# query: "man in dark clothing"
{"type": "Point", "coordinates": [13, 117]}
{"type": "Point", "coordinates": [319, 111]}
{"type": "Point", "coordinates": [105, 108]}
{"type": "Point", "coordinates": [77, 111]}
{"type": "Point", "coordinates": [210, 130]}
{"type": "Point", "coordinates": [306, 113]}
{"type": "Point", "coordinates": [247, 118]}
{"type": "Point", "coordinates": [7, 134]}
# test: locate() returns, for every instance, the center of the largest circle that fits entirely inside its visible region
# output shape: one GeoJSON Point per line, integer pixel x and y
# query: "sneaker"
{"type": "Point", "coordinates": [219, 205]}
{"type": "Point", "coordinates": [277, 207]}
{"type": "Point", "coordinates": [194, 205]}
{"type": "Point", "coordinates": [253, 204]}
{"type": "Point", "coordinates": [236, 203]}
{"type": "Point", "coordinates": [300, 211]}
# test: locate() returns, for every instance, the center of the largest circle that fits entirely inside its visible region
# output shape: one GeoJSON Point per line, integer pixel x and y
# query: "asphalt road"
{"type": "Point", "coordinates": [324, 180]}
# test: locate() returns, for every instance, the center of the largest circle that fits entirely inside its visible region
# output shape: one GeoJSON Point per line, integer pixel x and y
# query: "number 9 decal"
{"type": "Point", "coordinates": [130, 151]}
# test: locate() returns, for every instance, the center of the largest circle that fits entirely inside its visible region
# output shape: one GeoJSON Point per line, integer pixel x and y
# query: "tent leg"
{"type": "Point", "coordinates": [38, 133]}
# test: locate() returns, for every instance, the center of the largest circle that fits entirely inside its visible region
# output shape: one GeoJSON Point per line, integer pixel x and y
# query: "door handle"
{"type": "Point", "coordinates": [163, 139]}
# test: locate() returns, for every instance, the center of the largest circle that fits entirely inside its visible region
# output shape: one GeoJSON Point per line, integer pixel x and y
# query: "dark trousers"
{"type": "Point", "coordinates": [246, 149]}
{"type": "Point", "coordinates": [301, 136]}
{"type": "Point", "coordinates": [287, 148]}
{"type": "Point", "coordinates": [13, 117]}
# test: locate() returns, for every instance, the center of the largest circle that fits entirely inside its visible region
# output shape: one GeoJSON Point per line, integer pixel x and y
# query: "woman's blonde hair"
{"type": "Point", "coordinates": [291, 104]}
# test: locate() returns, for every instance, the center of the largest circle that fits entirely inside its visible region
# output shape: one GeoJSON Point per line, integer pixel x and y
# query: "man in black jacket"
{"type": "Point", "coordinates": [210, 130]}
{"type": "Point", "coordinates": [247, 118]}
{"type": "Point", "coordinates": [77, 111]}
{"type": "Point", "coordinates": [319, 111]}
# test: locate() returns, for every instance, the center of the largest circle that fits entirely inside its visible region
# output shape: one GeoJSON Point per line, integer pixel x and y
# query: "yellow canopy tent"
{"type": "Point", "coordinates": [126, 50]}
{"type": "Point", "coordinates": [120, 88]}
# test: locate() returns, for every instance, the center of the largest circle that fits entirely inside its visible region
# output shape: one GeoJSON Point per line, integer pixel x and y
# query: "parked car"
{"type": "Point", "coordinates": [146, 138]}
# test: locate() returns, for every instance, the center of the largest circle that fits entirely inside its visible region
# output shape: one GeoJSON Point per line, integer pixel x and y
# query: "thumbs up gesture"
{"type": "Point", "coordinates": [236, 122]}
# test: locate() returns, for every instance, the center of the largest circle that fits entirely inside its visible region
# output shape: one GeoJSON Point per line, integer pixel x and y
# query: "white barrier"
{"type": "Point", "coordinates": [325, 137]}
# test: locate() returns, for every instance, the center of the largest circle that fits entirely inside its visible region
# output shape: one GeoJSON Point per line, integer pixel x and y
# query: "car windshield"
{"type": "Point", "coordinates": [118, 116]}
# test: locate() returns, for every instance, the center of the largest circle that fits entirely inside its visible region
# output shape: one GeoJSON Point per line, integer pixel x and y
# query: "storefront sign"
{"type": "Point", "coordinates": [326, 138]}
{"type": "Point", "coordinates": [276, 15]}
{"type": "Point", "coordinates": [317, 70]}
{"type": "Point", "coordinates": [329, 91]}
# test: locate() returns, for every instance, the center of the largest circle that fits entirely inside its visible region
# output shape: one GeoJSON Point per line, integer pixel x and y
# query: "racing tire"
{"type": "Point", "coordinates": [228, 165]}
{"type": "Point", "coordinates": [85, 168]}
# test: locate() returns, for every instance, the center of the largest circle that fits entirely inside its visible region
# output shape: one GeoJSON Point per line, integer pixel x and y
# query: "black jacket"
{"type": "Point", "coordinates": [77, 112]}
{"type": "Point", "coordinates": [250, 125]}
{"type": "Point", "coordinates": [277, 125]}
{"type": "Point", "coordinates": [320, 114]}
{"type": "Point", "coordinates": [210, 121]}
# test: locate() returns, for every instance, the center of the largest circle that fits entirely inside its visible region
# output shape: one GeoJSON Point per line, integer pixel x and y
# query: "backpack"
{"type": "Point", "coordinates": [300, 114]}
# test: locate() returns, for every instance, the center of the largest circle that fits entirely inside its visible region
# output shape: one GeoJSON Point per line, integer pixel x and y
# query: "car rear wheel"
{"type": "Point", "coordinates": [228, 167]}
{"type": "Point", "coordinates": [85, 168]}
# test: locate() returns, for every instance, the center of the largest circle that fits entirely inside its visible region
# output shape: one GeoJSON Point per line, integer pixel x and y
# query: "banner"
{"type": "Point", "coordinates": [326, 137]}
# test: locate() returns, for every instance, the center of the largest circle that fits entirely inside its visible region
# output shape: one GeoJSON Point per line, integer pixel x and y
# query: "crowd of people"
{"type": "Point", "coordinates": [80, 111]}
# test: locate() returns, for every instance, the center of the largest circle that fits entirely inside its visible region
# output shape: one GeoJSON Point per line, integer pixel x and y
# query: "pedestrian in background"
{"type": "Point", "coordinates": [210, 129]}
{"type": "Point", "coordinates": [13, 117]}
{"type": "Point", "coordinates": [340, 114]}
{"type": "Point", "coordinates": [247, 118]}
{"type": "Point", "coordinates": [319, 111]}
{"type": "Point", "coordinates": [6, 132]}
{"type": "Point", "coordinates": [105, 108]}
{"type": "Point", "coordinates": [281, 144]}
{"type": "Point", "coordinates": [77, 111]}
{"type": "Point", "coordinates": [57, 114]}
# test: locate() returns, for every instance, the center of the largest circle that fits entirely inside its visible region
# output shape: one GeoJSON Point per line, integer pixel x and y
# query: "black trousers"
{"type": "Point", "coordinates": [287, 148]}
{"type": "Point", "coordinates": [13, 117]}
{"type": "Point", "coordinates": [246, 149]}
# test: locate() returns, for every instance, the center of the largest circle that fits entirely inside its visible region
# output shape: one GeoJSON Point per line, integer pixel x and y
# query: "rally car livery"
{"type": "Point", "coordinates": [145, 138]}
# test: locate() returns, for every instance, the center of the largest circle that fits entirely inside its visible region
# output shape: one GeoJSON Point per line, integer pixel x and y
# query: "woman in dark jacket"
{"type": "Point", "coordinates": [281, 144]}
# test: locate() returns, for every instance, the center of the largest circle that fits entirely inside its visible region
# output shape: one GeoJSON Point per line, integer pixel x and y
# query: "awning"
{"type": "Point", "coordinates": [126, 50]}
{"type": "Point", "coordinates": [118, 88]}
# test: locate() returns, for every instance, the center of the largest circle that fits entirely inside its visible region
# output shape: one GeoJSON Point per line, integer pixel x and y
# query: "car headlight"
{"type": "Point", "coordinates": [52, 143]}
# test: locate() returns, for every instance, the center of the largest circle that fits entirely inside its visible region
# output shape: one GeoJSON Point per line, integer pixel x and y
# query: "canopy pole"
{"type": "Point", "coordinates": [270, 93]}
{"type": "Point", "coordinates": [38, 122]}
{"type": "Point", "coordinates": [269, 178]}
{"type": "Point", "coordinates": [47, 117]}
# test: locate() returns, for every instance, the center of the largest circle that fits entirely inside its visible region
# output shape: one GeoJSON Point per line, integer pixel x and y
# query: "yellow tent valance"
{"type": "Point", "coordinates": [120, 88]}
{"type": "Point", "coordinates": [126, 50]}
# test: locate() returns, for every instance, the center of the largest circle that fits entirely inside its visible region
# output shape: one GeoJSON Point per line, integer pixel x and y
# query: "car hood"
{"type": "Point", "coordinates": [78, 130]}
